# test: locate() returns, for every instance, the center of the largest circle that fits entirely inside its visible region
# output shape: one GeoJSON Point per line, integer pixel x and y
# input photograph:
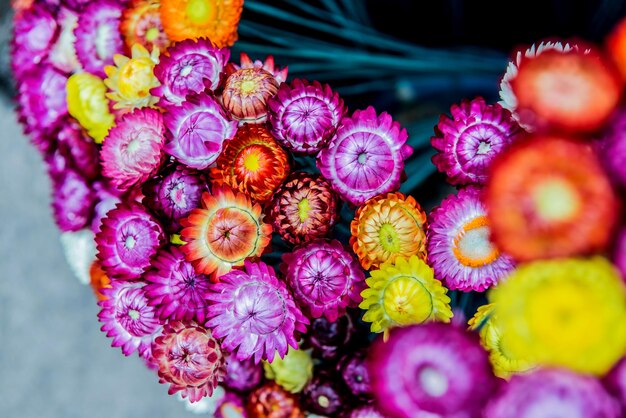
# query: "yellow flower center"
{"type": "Point", "coordinates": [251, 162]}
{"type": "Point", "coordinates": [388, 237]}
{"type": "Point", "coordinates": [472, 246]}
{"type": "Point", "coordinates": [247, 86]}
{"type": "Point", "coordinates": [136, 78]}
{"type": "Point", "coordinates": [152, 34]}
{"type": "Point", "coordinates": [407, 301]}
{"type": "Point", "coordinates": [303, 209]}
{"type": "Point", "coordinates": [556, 200]}
{"type": "Point", "coordinates": [201, 12]}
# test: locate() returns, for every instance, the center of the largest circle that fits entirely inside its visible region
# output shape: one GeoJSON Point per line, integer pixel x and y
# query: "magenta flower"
{"type": "Point", "coordinates": [128, 240]}
{"type": "Point", "coordinates": [128, 318]}
{"type": "Point", "coordinates": [78, 148]}
{"type": "Point", "coordinates": [323, 396]}
{"type": "Point", "coordinates": [366, 156]}
{"type": "Point", "coordinates": [198, 129]}
{"type": "Point", "coordinates": [469, 141]}
{"type": "Point", "coordinates": [35, 31]}
{"type": "Point", "coordinates": [72, 201]}
{"type": "Point", "coordinates": [433, 368]}
{"type": "Point", "coordinates": [325, 279]}
{"type": "Point", "coordinates": [552, 393]}
{"type": "Point", "coordinates": [174, 287]}
{"type": "Point", "coordinates": [63, 53]}
{"type": "Point", "coordinates": [98, 36]}
{"type": "Point", "coordinates": [612, 147]}
{"type": "Point", "coordinates": [242, 376]}
{"type": "Point", "coordinates": [366, 411]}
{"type": "Point", "coordinates": [304, 116]}
{"type": "Point", "coordinates": [133, 150]}
{"type": "Point", "coordinates": [231, 406]}
{"type": "Point", "coordinates": [355, 374]}
{"type": "Point", "coordinates": [460, 250]}
{"type": "Point", "coordinates": [615, 381]}
{"type": "Point", "coordinates": [189, 67]}
{"type": "Point", "coordinates": [190, 359]}
{"type": "Point", "coordinates": [254, 313]}
{"type": "Point", "coordinates": [106, 199]}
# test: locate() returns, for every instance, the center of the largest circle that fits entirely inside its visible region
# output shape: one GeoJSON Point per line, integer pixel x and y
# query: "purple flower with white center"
{"type": "Point", "coordinates": [72, 201]}
{"type": "Point", "coordinates": [355, 374]}
{"type": "Point", "coordinates": [242, 376]}
{"type": "Point", "coordinates": [189, 67]}
{"type": "Point", "coordinates": [325, 279]}
{"type": "Point", "coordinates": [468, 142]}
{"type": "Point", "coordinates": [366, 411]}
{"type": "Point", "coordinates": [128, 318]}
{"type": "Point", "coordinates": [174, 287]}
{"type": "Point", "coordinates": [128, 240]}
{"type": "Point", "coordinates": [197, 131]}
{"type": "Point", "coordinates": [106, 199]}
{"type": "Point", "coordinates": [254, 313]}
{"type": "Point", "coordinates": [366, 156]}
{"type": "Point", "coordinates": [35, 31]}
{"type": "Point", "coordinates": [304, 116]}
{"type": "Point", "coordinates": [98, 36]}
{"type": "Point", "coordinates": [174, 194]}
{"type": "Point", "coordinates": [459, 248]}
{"type": "Point", "coordinates": [552, 393]}
{"type": "Point", "coordinates": [322, 396]}
{"type": "Point", "coordinates": [432, 368]}
{"type": "Point", "coordinates": [63, 54]}
{"type": "Point", "coordinates": [78, 148]}
{"type": "Point", "coordinates": [328, 338]}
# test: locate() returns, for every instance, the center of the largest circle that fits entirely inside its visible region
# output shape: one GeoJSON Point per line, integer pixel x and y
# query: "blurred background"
{"type": "Point", "coordinates": [411, 58]}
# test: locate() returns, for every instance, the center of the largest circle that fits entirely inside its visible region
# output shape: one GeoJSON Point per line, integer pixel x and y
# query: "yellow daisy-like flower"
{"type": "Point", "coordinates": [404, 293]}
{"type": "Point", "coordinates": [563, 312]}
{"type": "Point", "coordinates": [87, 103]}
{"type": "Point", "coordinates": [292, 372]}
{"type": "Point", "coordinates": [131, 79]}
{"type": "Point", "coordinates": [490, 338]}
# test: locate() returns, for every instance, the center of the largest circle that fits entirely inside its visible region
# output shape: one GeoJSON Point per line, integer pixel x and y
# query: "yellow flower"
{"type": "Point", "coordinates": [131, 79]}
{"type": "Point", "coordinates": [403, 293]}
{"type": "Point", "coordinates": [567, 312]}
{"type": "Point", "coordinates": [87, 103]}
{"type": "Point", "coordinates": [490, 337]}
{"type": "Point", "coordinates": [292, 372]}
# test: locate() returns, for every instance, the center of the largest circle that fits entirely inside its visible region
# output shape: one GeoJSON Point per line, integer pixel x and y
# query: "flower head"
{"type": "Point", "coordinates": [226, 231]}
{"type": "Point", "coordinates": [141, 24]}
{"type": "Point", "coordinates": [612, 147]}
{"type": "Point", "coordinates": [549, 197]}
{"type": "Point", "coordinates": [329, 339]}
{"type": "Point", "coordinates": [272, 401]}
{"type": "Point", "coordinates": [324, 278]}
{"type": "Point", "coordinates": [192, 19]}
{"type": "Point", "coordinates": [280, 74]}
{"type": "Point", "coordinates": [98, 280]}
{"type": "Point", "coordinates": [72, 201]}
{"type": "Point", "coordinates": [87, 103]}
{"type": "Point", "coordinates": [63, 52]}
{"type": "Point", "coordinates": [198, 129]}
{"type": "Point", "coordinates": [242, 375]}
{"type": "Point", "coordinates": [189, 67]}
{"type": "Point", "coordinates": [246, 93]}
{"type": "Point", "coordinates": [252, 162]}
{"type": "Point", "coordinates": [133, 151]}
{"type": "Point", "coordinates": [304, 116]}
{"type": "Point", "coordinates": [563, 313]}
{"type": "Point", "coordinates": [323, 395]}
{"type": "Point", "coordinates": [468, 141]}
{"type": "Point", "coordinates": [433, 369]}
{"type": "Point", "coordinates": [355, 374]}
{"type": "Point", "coordinates": [292, 372]}
{"type": "Point", "coordinates": [304, 208]}
{"type": "Point", "coordinates": [75, 150]}
{"type": "Point", "coordinates": [231, 406]}
{"type": "Point", "coordinates": [189, 358]}
{"type": "Point", "coordinates": [459, 248]}
{"type": "Point", "coordinates": [127, 241]}
{"type": "Point", "coordinates": [34, 31]}
{"type": "Point", "coordinates": [254, 313]}
{"type": "Point", "coordinates": [404, 293]}
{"type": "Point", "coordinates": [387, 227]}
{"type": "Point", "coordinates": [367, 411]}
{"type": "Point", "coordinates": [128, 318]}
{"type": "Point", "coordinates": [130, 80]}
{"type": "Point", "coordinates": [366, 156]}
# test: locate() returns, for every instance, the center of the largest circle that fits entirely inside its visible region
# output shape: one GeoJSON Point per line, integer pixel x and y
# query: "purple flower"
{"type": "Point", "coordinates": [231, 406]}
{"type": "Point", "coordinates": [355, 374]}
{"type": "Point", "coordinates": [366, 411]}
{"type": "Point", "coordinates": [366, 156]}
{"type": "Point", "coordinates": [243, 375]}
{"type": "Point", "coordinates": [328, 338]}
{"type": "Point", "coordinates": [79, 150]}
{"type": "Point", "coordinates": [35, 31]}
{"type": "Point", "coordinates": [72, 201]}
{"type": "Point", "coordinates": [615, 381]}
{"type": "Point", "coordinates": [322, 396]}
{"type": "Point", "coordinates": [106, 199]}
{"type": "Point", "coordinates": [612, 147]}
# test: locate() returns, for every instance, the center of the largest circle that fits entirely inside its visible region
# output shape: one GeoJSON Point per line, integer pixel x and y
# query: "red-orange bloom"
{"type": "Point", "coordinates": [99, 280]}
{"type": "Point", "coordinates": [141, 24]}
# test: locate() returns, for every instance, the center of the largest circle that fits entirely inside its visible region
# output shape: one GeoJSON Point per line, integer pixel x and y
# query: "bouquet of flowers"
{"type": "Point", "coordinates": [251, 242]}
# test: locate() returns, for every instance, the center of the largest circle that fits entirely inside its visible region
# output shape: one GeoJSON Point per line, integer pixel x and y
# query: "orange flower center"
{"type": "Point", "coordinates": [472, 246]}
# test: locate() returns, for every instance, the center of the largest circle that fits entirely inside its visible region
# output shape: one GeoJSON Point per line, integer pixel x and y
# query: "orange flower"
{"type": "Point", "coordinates": [99, 279]}
{"type": "Point", "coordinates": [192, 19]}
{"type": "Point", "coordinates": [141, 24]}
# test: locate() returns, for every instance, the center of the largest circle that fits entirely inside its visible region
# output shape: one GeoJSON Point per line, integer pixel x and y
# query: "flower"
{"type": "Point", "coordinates": [402, 293]}
{"type": "Point", "coordinates": [615, 382]}
{"type": "Point", "coordinates": [231, 406]}
{"type": "Point", "coordinates": [173, 194]}
{"type": "Point", "coordinates": [459, 248]}
{"type": "Point", "coordinates": [555, 392]}
{"type": "Point", "coordinates": [133, 151]}
{"type": "Point", "coordinates": [612, 147]}
{"type": "Point", "coordinates": [280, 74]}
{"type": "Point", "coordinates": [323, 396]}
{"type": "Point", "coordinates": [189, 358]}
{"type": "Point", "coordinates": [491, 339]}
{"type": "Point", "coordinates": [106, 199]}
{"type": "Point", "coordinates": [98, 280]}
{"type": "Point", "coordinates": [367, 411]}
{"type": "Point", "coordinates": [79, 250]}
{"type": "Point", "coordinates": [198, 129]}
{"type": "Point", "coordinates": [72, 201]}
{"type": "Point", "coordinates": [226, 231]}
{"type": "Point", "coordinates": [87, 103]}
{"type": "Point", "coordinates": [254, 313]}
{"type": "Point", "coordinates": [324, 278]}
{"type": "Point", "coordinates": [432, 369]}
{"type": "Point", "coordinates": [76, 150]}
{"type": "Point", "coordinates": [619, 252]}
{"type": "Point", "coordinates": [271, 401]}
{"type": "Point", "coordinates": [252, 162]}
{"type": "Point", "coordinates": [35, 32]}
{"type": "Point", "coordinates": [468, 141]}
{"type": "Point", "coordinates": [304, 208]}
{"type": "Point", "coordinates": [291, 372]}
{"type": "Point", "coordinates": [387, 227]}
{"type": "Point", "coordinates": [615, 45]}
{"type": "Point", "coordinates": [175, 289]}
{"type": "Point", "coordinates": [192, 19]}
{"type": "Point", "coordinates": [366, 156]}
{"type": "Point", "coordinates": [63, 52]}
{"type": "Point", "coordinates": [189, 67]}
{"type": "Point", "coordinates": [242, 376]}
{"type": "Point", "coordinates": [128, 239]}
{"type": "Point", "coordinates": [127, 318]}
{"type": "Point", "coordinates": [550, 197]}
{"type": "Point", "coordinates": [563, 313]}
{"type": "Point", "coordinates": [304, 116]}
{"type": "Point", "coordinates": [355, 374]}
{"type": "Point", "coordinates": [141, 24]}
{"type": "Point", "coordinates": [246, 92]}
{"type": "Point", "coordinates": [98, 36]}
{"type": "Point", "coordinates": [328, 339]}
{"type": "Point", "coordinates": [131, 79]}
